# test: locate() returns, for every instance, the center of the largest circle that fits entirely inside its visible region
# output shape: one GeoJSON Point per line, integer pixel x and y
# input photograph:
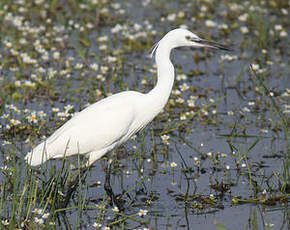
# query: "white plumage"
{"type": "Point", "coordinates": [110, 122]}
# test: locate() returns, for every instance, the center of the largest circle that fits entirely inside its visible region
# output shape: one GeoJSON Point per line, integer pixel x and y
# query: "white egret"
{"type": "Point", "coordinates": [108, 123]}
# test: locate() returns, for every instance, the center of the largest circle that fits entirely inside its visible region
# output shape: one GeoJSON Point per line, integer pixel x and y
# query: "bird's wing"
{"type": "Point", "coordinates": [100, 125]}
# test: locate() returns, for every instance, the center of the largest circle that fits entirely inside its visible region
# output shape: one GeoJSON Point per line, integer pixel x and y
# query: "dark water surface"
{"type": "Point", "coordinates": [234, 121]}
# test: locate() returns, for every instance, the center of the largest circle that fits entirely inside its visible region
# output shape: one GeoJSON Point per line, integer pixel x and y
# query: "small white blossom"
{"type": "Point", "coordinates": [283, 34]}
{"type": "Point", "coordinates": [32, 118]}
{"type": "Point", "coordinates": [142, 212]}
{"type": "Point", "coordinates": [45, 215]}
{"type": "Point", "coordinates": [165, 139]}
{"type": "Point", "coordinates": [278, 27]}
{"type": "Point", "coordinates": [68, 107]}
{"type": "Point", "coordinates": [284, 11]}
{"type": "Point", "coordinates": [184, 87]}
{"type": "Point", "coordinates": [171, 17]}
{"type": "Point", "coordinates": [15, 122]}
{"type": "Point", "coordinates": [173, 164]}
{"type": "Point", "coordinates": [179, 100]}
{"type": "Point", "coordinates": [243, 17]}
{"type": "Point", "coordinates": [181, 77]}
{"type": "Point", "coordinates": [244, 30]}
{"type": "Point", "coordinates": [210, 23]}
{"type": "Point", "coordinates": [97, 225]}
{"type": "Point", "coordinates": [56, 55]}
{"type": "Point", "coordinates": [115, 209]}
{"type": "Point", "coordinates": [176, 92]}
{"type": "Point", "coordinates": [39, 221]}
{"type": "Point", "coordinates": [37, 211]}
{"type": "Point", "coordinates": [5, 222]}
{"type": "Point", "coordinates": [182, 117]}
{"type": "Point", "coordinates": [79, 66]}
{"type": "Point", "coordinates": [209, 154]}
{"type": "Point", "coordinates": [116, 29]}
{"type": "Point", "coordinates": [255, 67]}
{"type": "Point", "coordinates": [94, 66]}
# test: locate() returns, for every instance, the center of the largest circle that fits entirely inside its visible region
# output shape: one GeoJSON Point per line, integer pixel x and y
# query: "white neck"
{"type": "Point", "coordinates": [165, 77]}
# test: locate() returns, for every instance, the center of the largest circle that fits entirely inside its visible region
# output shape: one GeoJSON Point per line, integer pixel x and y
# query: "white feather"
{"type": "Point", "coordinates": [110, 122]}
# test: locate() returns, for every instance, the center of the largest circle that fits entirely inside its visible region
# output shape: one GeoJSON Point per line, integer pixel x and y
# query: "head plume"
{"type": "Point", "coordinates": [153, 49]}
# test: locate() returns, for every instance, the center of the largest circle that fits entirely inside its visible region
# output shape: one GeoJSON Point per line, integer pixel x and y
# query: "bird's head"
{"type": "Point", "coordinates": [184, 38]}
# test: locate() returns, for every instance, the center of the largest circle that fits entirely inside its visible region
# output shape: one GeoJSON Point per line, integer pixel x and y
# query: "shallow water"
{"type": "Point", "coordinates": [233, 118]}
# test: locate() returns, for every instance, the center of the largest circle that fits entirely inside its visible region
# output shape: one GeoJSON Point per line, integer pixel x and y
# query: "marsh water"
{"type": "Point", "coordinates": [214, 158]}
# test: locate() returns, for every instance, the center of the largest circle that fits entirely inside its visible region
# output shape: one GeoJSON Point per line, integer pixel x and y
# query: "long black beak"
{"type": "Point", "coordinates": [214, 45]}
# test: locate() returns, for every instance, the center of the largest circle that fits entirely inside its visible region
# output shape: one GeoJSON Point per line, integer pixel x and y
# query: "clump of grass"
{"type": "Point", "coordinates": [57, 57]}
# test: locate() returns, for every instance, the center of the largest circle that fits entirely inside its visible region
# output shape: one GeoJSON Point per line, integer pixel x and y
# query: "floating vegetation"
{"type": "Point", "coordinates": [219, 149]}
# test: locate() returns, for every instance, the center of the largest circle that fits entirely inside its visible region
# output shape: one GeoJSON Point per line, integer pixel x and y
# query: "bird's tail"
{"type": "Point", "coordinates": [38, 155]}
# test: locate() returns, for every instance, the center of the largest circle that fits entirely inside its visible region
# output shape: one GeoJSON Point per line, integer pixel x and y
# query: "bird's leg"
{"type": "Point", "coordinates": [108, 188]}
{"type": "Point", "coordinates": [80, 174]}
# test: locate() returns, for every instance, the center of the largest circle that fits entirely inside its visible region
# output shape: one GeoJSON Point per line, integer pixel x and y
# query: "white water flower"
{"type": "Point", "coordinates": [94, 66]}
{"type": "Point", "coordinates": [5, 222]}
{"type": "Point", "coordinates": [165, 139]}
{"type": "Point", "coordinates": [142, 212]}
{"type": "Point", "coordinates": [97, 225]}
{"type": "Point", "coordinates": [39, 221]}
{"type": "Point", "coordinates": [56, 55]}
{"type": "Point", "coordinates": [210, 23]}
{"type": "Point", "coordinates": [244, 30]}
{"type": "Point", "coordinates": [115, 209]}
{"type": "Point", "coordinates": [173, 164]}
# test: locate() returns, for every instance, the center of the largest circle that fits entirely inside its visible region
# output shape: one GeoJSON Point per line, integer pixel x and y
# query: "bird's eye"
{"type": "Point", "coordinates": [188, 37]}
{"type": "Point", "coordinates": [192, 39]}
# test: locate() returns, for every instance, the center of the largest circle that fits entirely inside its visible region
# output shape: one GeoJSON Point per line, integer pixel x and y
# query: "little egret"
{"type": "Point", "coordinates": [108, 123]}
